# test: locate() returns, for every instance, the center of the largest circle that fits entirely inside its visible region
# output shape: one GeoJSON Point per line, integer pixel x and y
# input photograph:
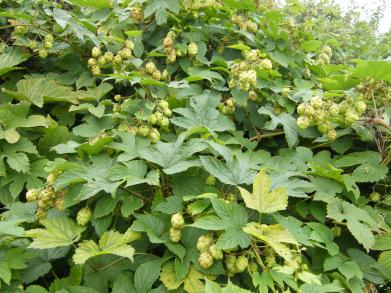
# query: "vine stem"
{"type": "Point", "coordinates": [110, 264]}
{"type": "Point", "coordinates": [136, 194]}
{"type": "Point", "coordinates": [260, 136]}
{"type": "Point", "coordinates": [381, 122]}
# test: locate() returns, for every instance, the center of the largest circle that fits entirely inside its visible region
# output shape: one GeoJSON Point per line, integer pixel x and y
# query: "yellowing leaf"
{"type": "Point", "coordinates": [192, 283]}
{"type": "Point", "coordinates": [111, 242]}
{"type": "Point", "coordinates": [262, 199]}
{"type": "Point", "coordinates": [276, 236]}
{"type": "Point", "coordinates": [168, 276]}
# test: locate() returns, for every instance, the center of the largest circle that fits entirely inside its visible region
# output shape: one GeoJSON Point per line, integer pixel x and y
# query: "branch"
{"type": "Point", "coordinates": [381, 122]}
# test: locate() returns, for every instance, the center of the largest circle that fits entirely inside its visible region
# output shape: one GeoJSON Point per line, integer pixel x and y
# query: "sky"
{"type": "Point", "coordinates": [366, 6]}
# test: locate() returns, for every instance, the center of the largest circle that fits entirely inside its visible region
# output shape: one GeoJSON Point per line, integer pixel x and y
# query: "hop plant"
{"type": "Point", "coordinates": [210, 180]}
{"type": "Point", "coordinates": [303, 122]}
{"type": "Point", "coordinates": [204, 243]}
{"type": "Point", "coordinates": [41, 213]}
{"type": "Point", "coordinates": [175, 235]}
{"type": "Point", "coordinates": [192, 49]}
{"type": "Point", "coordinates": [216, 253]}
{"type": "Point", "coordinates": [32, 195]}
{"type": "Point", "coordinates": [205, 260]}
{"type": "Point", "coordinates": [266, 64]}
{"type": "Point", "coordinates": [109, 56]}
{"type": "Point", "coordinates": [83, 216]}
{"type": "Point", "coordinates": [96, 52]}
{"type": "Point", "coordinates": [241, 264]}
{"type": "Point", "coordinates": [177, 221]}
{"type": "Point", "coordinates": [129, 44]}
{"type": "Point", "coordinates": [375, 196]}
{"type": "Point", "coordinates": [150, 67]}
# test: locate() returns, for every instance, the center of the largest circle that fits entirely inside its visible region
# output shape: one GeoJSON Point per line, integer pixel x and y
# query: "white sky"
{"type": "Point", "coordinates": [368, 6]}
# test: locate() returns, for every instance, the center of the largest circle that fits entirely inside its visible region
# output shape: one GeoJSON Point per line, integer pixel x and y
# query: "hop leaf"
{"type": "Point", "coordinates": [111, 242]}
{"type": "Point", "coordinates": [58, 232]}
{"type": "Point", "coordinates": [262, 199]}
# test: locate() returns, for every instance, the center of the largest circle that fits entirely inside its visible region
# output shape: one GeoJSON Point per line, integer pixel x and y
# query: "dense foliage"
{"type": "Point", "coordinates": [191, 146]}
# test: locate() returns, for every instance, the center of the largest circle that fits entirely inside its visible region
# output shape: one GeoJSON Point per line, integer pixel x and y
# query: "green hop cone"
{"type": "Point", "coordinates": [204, 243]}
{"type": "Point", "coordinates": [375, 196]}
{"type": "Point", "coordinates": [41, 213]}
{"type": "Point", "coordinates": [175, 235]}
{"type": "Point", "coordinates": [51, 178]}
{"type": "Point", "coordinates": [216, 253]}
{"type": "Point", "coordinates": [205, 260]}
{"type": "Point", "coordinates": [177, 221]}
{"type": "Point", "coordinates": [32, 195]}
{"type": "Point", "coordinates": [192, 49]}
{"type": "Point", "coordinates": [360, 107]}
{"type": "Point", "coordinates": [83, 216]}
{"type": "Point", "coordinates": [210, 180]}
{"type": "Point", "coordinates": [266, 64]}
{"type": "Point", "coordinates": [150, 67]}
{"type": "Point", "coordinates": [241, 264]}
{"type": "Point", "coordinates": [162, 104]}
{"type": "Point", "coordinates": [109, 56]}
{"type": "Point", "coordinates": [152, 119]}
{"type": "Point", "coordinates": [92, 62]}
{"type": "Point", "coordinates": [129, 44]}
{"type": "Point", "coordinates": [332, 134]}
{"type": "Point", "coordinates": [96, 52]}
{"type": "Point", "coordinates": [303, 122]}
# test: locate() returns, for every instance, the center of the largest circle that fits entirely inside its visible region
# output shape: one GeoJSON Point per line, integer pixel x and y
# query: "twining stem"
{"type": "Point", "coordinates": [135, 194]}
{"type": "Point", "coordinates": [110, 264]}
{"type": "Point", "coordinates": [381, 122]}
{"type": "Point", "coordinates": [259, 136]}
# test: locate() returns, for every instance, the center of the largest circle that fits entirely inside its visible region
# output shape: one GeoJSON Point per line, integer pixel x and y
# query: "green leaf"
{"type": "Point", "coordinates": [287, 121]}
{"type": "Point", "coordinates": [133, 173]}
{"type": "Point", "coordinates": [40, 90]}
{"type": "Point", "coordinates": [14, 116]}
{"type": "Point", "coordinates": [58, 232]}
{"type": "Point", "coordinates": [10, 58]}
{"type": "Point", "coordinates": [5, 272]}
{"type": "Point", "coordinates": [160, 8]}
{"type": "Point", "coordinates": [236, 169]}
{"type": "Point", "coordinates": [358, 221]}
{"type": "Point", "coordinates": [130, 146]}
{"type": "Point", "coordinates": [111, 242]}
{"type": "Point", "coordinates": [153, 226]}
{"type": "Point", "coordinates": [202, 112]}
{"type": "Point", "coordinates": [174, 157]}
{"type": "Point", "coordinates": [311, 45]}
{"type": "Point", "coordinates": [92, 3]}
{"type": "Point", "coordinates": [262, 199]}
{"type": "Point", "coordinates": [94, 178]}
{"type": "Point", "coordinates": [10, 227]}
{"type": "Point", "coordinates": [123, 284]}
{"type": "Point", "coordinates": [231, 218]}
{"type": "Point", "coordinates": [369, 170]}
{"type": "Point", "coordinates": [378, 70]}
{"type": "Point", "coordinates": [146, 274]}
{"type": "Point", "coordinates": [36, 289]}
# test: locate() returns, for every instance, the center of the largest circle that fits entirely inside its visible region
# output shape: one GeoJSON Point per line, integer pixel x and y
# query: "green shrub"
{"type": "Point", "coordinates": [188, 146]}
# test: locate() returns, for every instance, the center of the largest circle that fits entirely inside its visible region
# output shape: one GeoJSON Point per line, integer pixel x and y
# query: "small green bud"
{"type": "Point", "coordinates": [32, 195]}
{"type": "Point", "coordinates": [96, 52]}
{"type": "Point", "coordinates": [205, 260]}
{"type": "Point", "coordinates": [177, 221]}
{"type": "Point", "coordinates": [83, 216]}
{"type": "Point", "coordinates": [210, 180]}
